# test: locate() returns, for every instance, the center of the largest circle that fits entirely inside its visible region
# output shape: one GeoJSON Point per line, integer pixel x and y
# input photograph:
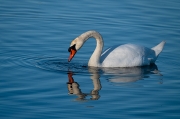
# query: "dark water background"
{"type": "Point", "coordinates": [34, 39]}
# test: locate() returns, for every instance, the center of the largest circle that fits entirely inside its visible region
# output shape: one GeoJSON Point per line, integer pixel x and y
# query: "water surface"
{"type": "Point", "coordinates": [36, 81]}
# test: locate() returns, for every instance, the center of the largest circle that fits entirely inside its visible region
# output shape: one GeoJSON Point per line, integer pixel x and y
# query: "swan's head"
{"type": "Point", "coordinates": [75, 45]}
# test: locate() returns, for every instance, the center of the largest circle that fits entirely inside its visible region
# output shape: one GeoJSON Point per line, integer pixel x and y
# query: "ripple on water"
{"type": "Point", "coordinates": [56, 64]}
{"type": "Point", "coordinates": [53, 64]}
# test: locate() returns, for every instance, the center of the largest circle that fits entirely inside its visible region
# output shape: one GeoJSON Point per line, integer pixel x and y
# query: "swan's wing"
{"type": "Point", "coordinates": [127, 55]}
{"type": "Point", "coordinates": [107, 52]}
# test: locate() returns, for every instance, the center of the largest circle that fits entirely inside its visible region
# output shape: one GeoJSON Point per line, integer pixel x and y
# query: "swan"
{"type": "Point", "coordinates": [127, 55]}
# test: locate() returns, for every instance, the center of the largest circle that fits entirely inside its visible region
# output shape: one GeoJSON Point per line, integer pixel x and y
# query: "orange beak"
{"type": "Point", "coordinates": [72, 53]}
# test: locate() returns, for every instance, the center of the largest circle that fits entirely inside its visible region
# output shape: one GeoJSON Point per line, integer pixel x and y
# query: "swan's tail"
{"type": "Point", "coordinates": [158, 48]}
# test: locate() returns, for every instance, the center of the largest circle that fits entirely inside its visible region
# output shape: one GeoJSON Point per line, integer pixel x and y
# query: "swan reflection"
{"type": "Point", "coordinates": [74, 87]}
{"type": "Point", "coordinates": [129, 74]}
{"type": "Point", "coordinates": [115, 75]}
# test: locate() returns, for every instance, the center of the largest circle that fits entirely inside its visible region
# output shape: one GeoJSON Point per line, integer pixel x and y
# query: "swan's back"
{"type": "Point", "coordinates": [127, 55]}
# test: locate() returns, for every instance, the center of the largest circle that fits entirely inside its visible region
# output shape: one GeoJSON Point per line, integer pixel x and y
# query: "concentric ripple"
{"type": "Point", "coordinates": [56, 64]}
{"type": "Point", "coordinates": [53, 64]}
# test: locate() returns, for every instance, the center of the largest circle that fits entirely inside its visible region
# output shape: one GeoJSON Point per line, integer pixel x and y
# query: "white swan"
{"type": "Point", "coordinates": [128, 55]}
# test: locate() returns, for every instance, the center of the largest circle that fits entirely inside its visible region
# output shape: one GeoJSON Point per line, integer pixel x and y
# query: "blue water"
{"type": "Point", "coordinates": [36, 81]}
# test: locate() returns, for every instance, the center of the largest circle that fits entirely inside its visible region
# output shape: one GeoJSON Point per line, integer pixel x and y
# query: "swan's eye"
{"type": "Point", "coordinates": [72, 47]}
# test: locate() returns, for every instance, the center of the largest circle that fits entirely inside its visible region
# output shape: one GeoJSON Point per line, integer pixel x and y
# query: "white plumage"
{"type": "Point", "coordinates": [127, 55]}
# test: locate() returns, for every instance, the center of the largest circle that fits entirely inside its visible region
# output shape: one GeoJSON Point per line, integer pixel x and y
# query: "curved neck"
{"type": "Point", "coordinates": [95, 57]}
